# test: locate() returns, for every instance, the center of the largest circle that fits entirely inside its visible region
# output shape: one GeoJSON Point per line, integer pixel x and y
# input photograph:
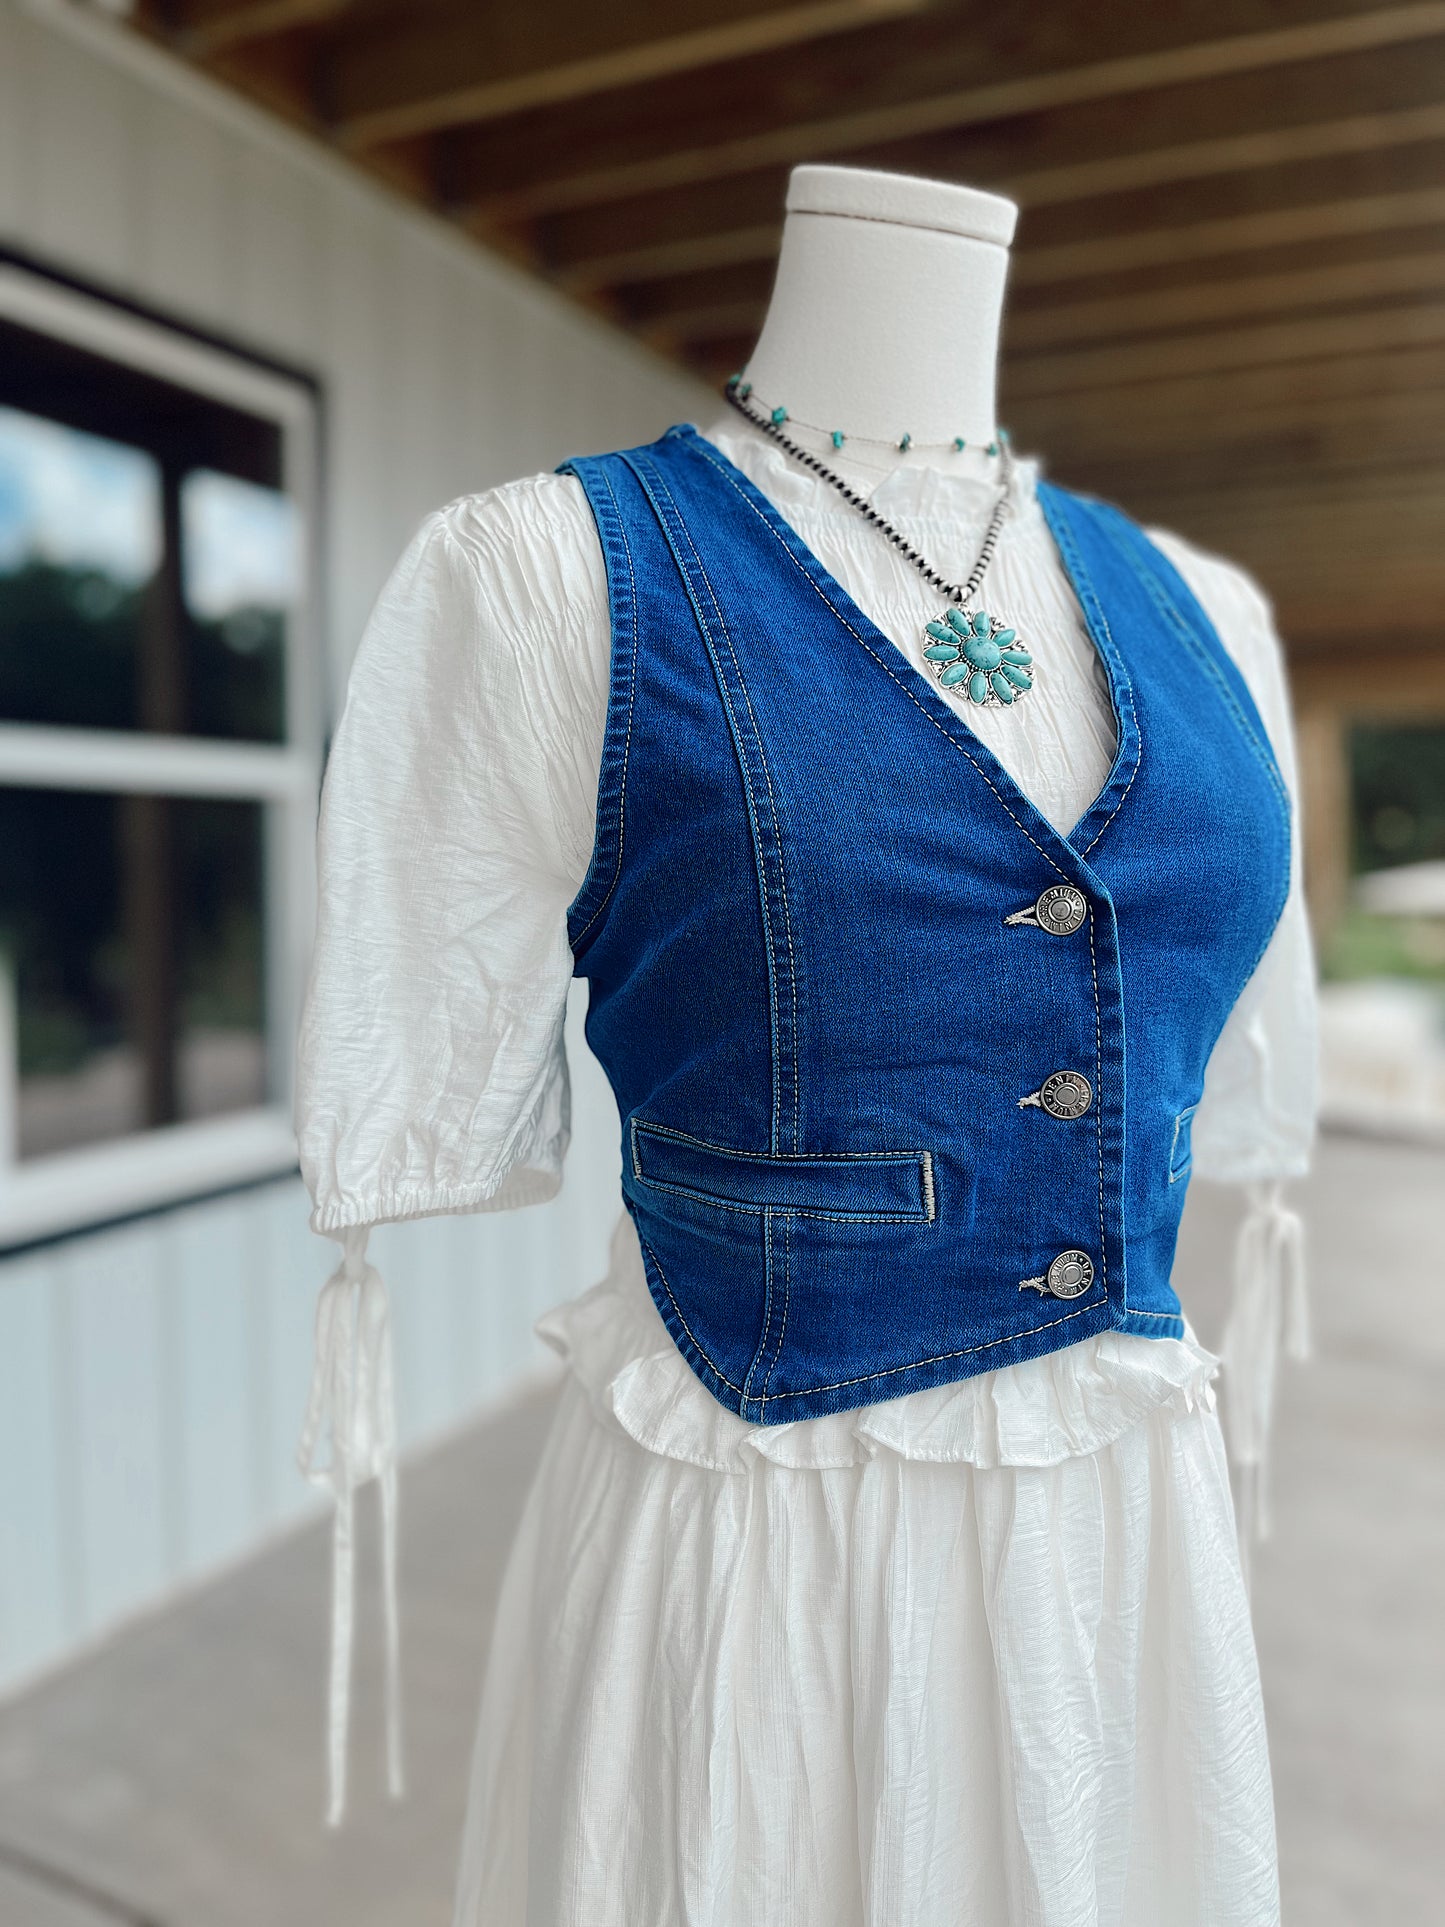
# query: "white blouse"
{"type": "Point", "coordinates": [457, 824]}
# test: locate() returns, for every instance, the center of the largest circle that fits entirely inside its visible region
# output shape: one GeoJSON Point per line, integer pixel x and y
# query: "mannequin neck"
{"type": "Point", "coordinates": [885, 317]}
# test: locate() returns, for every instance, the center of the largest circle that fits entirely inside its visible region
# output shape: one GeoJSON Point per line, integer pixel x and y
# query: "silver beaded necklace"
{"type": "Point", "coordinates": [971, 647]}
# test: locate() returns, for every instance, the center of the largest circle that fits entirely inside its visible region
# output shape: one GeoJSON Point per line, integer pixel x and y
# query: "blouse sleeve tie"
{"type": "Point", "coordinates": [1269, 1312]}
{"type": "Point", "coordinates": [352, 1400]}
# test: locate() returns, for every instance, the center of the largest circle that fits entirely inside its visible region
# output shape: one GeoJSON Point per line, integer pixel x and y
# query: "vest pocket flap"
{"type": "Point", "coordinates": [870, 1184]}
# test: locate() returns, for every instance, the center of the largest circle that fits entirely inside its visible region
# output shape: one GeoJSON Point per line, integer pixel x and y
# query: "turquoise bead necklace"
{"type": "Point", "coordinates": [964, 646]}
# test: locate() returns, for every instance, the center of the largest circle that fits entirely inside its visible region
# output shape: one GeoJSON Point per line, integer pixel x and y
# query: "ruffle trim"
{"type": "Point", "coordinates": [1040, 1412]}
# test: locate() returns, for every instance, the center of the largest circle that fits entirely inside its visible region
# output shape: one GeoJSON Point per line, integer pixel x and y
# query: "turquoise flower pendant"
{"type": "Point", "coordinates": [983, 654]}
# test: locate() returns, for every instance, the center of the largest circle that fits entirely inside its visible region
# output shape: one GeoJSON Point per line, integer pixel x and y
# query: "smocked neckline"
{"type": "Point", "coordinates": [922, 493]}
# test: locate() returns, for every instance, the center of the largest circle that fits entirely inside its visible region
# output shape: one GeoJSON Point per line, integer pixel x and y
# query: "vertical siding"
{"type": "Point", "coordinates": [152, 1377]}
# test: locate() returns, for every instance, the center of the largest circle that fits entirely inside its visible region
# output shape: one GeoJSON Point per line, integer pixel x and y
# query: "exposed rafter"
{"type": "Point", "coordinates": [1228, 293]}
{"type": "Point", "coordinates": [868, 128]}
{"type": "Point", "coordinates": [202, 28]}
{"type": "Point", "coordinates": [422, 75]}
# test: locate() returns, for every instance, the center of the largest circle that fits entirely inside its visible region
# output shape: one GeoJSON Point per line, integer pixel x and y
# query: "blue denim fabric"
{"type": "Point", "coordinates": [816, 1019]}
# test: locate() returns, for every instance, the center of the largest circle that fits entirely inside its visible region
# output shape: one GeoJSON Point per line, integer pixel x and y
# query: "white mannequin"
{"type": "Point", "coordinates": [885, 320]}
{"type": "Point", "coordinates": [885, 317]}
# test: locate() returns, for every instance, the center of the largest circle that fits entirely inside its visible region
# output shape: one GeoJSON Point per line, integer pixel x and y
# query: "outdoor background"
{"type": "Point", "coordinates": [278, 277]}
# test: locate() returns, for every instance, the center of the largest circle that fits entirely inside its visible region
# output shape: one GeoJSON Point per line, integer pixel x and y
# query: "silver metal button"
{"type": "Point", "coordinates": [1069, 1276]}
{"type": "Point", "coordinates": [1060, 910]}
{"type": "Point", "coordinates": [1066, 1094]}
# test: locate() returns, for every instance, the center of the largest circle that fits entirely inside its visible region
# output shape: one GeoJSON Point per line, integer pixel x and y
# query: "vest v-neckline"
{"type": "Point", "coordinates": [1058, 507]}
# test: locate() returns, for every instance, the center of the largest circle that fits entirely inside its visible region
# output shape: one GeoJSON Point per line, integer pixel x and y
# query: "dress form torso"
{"type": "Point", "coordinates": [457, 825]}
{"type": "Point", "coordinates": [884, 322]}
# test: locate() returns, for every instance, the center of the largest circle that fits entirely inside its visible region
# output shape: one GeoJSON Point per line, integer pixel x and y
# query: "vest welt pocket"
{"type": "Point", "coordinates": [887, 1185]}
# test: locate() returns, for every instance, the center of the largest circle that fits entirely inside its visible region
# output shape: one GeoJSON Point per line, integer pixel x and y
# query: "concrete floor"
{"type": "Point", "coordinates": [173, 1779]}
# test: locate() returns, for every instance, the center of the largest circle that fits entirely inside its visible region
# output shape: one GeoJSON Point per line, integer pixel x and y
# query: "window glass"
{"type": "Point", "coordinates": [135, 991]}
{"type": "Point", "coordinates": [136, 594]}
{"type": "Point", "coordinates": [80, 540]}
{"type": "Point", "coordinates": [241, 572]}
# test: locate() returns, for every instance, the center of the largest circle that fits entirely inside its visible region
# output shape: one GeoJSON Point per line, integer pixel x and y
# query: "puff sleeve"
{"type": "Point", "coordinates": [1256, 1120]}
{"type": "Point", "coordinates": [455, 827]}
{"type": "Point", "coordinates": [431, 1075]}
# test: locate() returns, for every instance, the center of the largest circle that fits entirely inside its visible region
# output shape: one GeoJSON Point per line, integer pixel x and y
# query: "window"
{"type": "Point", "coordinates": [159, 758]}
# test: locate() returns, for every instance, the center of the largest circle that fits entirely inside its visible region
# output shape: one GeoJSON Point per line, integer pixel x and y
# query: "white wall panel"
{"type": "Point", "coordinates": [152, 1377]}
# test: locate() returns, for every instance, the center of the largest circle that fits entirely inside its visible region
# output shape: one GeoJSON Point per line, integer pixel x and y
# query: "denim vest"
{"type": "Point", "coordinates": [905, 1076]}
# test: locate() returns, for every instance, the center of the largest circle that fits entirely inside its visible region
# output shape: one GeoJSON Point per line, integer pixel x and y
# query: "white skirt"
{"type": "Point", "coordinates": [977, 1657]}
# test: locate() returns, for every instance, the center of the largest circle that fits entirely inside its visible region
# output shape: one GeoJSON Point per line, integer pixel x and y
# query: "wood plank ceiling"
{"type": "Point", "coordinates": [1228, 298]}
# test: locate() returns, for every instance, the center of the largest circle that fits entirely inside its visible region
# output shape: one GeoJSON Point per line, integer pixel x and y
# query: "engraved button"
{"type": "Point", "coordinates": [1066, 1094]}
{"type": "Point", "coordinates": [1061, 909]}
{"type": "Point", "coordinates": [1071, 1274]}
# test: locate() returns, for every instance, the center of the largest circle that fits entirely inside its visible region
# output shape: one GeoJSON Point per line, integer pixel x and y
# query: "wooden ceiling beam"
{"type": "Point", "coordinates": [1404, 167]}
{"type": "Point", "coordinates": [1220, 353]}
{"type": "Point", "coordinates": [689, 305]}
{"type": "Point", "coordinates": [416, 75]}
{"type": "Point", "coordinates": [1203, 240]}
{"type": "Point", "coordinates": [1091, 256]}
{"type": "Point", "coordinates": [689, 253]}
{"type": "Point", "coordinates": [1017, 87]}
{"type": "Point", "coordinates": [1208, 302]}
{"type": "Point", "coordinates": [1166, 194]}
{"type": "Point", "coordinates": [202, 28]}
{"type": "Point", "coordinates": [1357, 413]}
{"type": "Point", "coordinates": [1229, 153]}
{"type": "Point", "coordinates": [1163, 477]}
{"type": "Point", "coordinates": [1175, 407]}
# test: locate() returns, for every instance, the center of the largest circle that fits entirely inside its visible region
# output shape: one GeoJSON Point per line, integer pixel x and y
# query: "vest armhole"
{"type": "Point", "coordinates": [584, 913]}
{"type": "Point", "coordinates": [1172, 591]}
{"type": "Point", "coordinates": [1173, 596]}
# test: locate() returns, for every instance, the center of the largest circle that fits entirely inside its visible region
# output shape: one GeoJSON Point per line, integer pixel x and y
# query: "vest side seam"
{"type": "Point", "coordinates": [777, 829]}
{"type": "Point", "coordinates": [743, 770]}
{"type": "Point", "coordinates": [765, 1335]}
{"type": "Point", "coordinates": [655, 487]}
{"type": "Point", "coordinates": [617, 529]}
{"type": "Point", "coordinates": [787, 1300]}
{"type": "Point", "coordinates": [711, 1364]}
{"type": "Point", "coordinates": [888, 670]}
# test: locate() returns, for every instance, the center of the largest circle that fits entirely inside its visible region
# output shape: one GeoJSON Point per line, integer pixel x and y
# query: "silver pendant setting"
{"type": "Point", "coordinates": [979, 655]}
